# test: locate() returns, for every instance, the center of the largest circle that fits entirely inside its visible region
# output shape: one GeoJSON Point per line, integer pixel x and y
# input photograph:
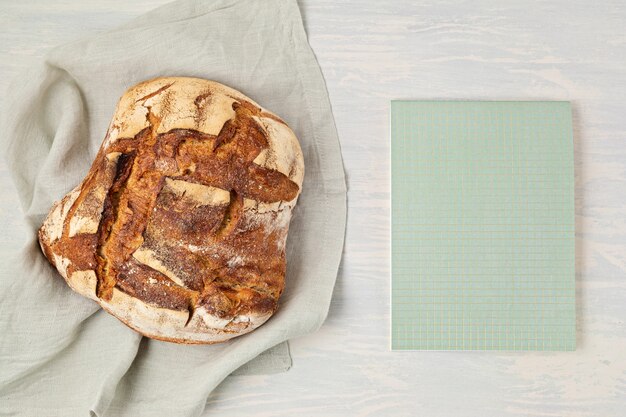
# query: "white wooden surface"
{"type": "Point", "coordinates": [371, 52]}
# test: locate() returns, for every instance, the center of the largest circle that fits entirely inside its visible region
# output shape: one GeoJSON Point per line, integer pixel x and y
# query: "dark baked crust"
{"type": "Point", "coordinates": [182, 220]}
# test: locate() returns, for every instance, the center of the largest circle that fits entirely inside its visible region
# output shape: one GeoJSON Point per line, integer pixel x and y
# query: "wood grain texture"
{"type": "Point", "coordinates": [372, 52]}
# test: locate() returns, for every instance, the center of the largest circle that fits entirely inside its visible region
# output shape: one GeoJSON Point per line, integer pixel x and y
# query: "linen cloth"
{"type": "Point", "coordinates": [60, 354]}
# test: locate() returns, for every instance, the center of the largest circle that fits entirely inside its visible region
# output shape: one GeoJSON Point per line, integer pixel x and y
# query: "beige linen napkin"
{"type": "Point", "coordinates": [60, 355]}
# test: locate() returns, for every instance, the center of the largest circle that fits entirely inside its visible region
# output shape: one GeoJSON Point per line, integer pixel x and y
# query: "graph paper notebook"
{"type": "Point", "coordinates": [482, 226]}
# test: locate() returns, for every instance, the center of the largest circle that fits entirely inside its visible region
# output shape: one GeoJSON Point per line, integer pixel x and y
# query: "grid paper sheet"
{"type": "Point", "coordinates": [482, 226]}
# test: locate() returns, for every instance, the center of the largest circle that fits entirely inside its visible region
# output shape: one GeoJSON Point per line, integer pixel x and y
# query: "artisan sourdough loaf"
{"type": "Point", "coordinates": [179, 227]}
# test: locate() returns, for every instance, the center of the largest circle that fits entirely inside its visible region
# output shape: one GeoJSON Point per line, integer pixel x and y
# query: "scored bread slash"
{"type": "Point", "coordinates": [179, 227]}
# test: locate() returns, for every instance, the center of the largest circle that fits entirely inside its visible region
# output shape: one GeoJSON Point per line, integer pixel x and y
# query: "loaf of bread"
{"type": "Point", "coordinates": [179, 227]}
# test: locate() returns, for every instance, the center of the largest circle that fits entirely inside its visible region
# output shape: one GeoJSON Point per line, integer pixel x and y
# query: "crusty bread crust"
{"type": "Point", "coordinates": [179, 227]}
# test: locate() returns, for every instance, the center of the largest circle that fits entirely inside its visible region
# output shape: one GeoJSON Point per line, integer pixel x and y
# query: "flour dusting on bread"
{"type": "Point", "coordinates": [179, 228]}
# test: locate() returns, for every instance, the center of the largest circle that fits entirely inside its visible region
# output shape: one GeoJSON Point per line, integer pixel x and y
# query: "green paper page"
{"type": "Point", "coordinates": [482, 226]}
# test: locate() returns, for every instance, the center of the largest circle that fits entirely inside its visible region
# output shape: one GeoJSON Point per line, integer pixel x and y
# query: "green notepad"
{"type": "Point", "coordinates": [482, 226]}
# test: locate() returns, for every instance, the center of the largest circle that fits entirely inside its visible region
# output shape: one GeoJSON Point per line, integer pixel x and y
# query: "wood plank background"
{"type": "Point", "coordinates": [372, 52]}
